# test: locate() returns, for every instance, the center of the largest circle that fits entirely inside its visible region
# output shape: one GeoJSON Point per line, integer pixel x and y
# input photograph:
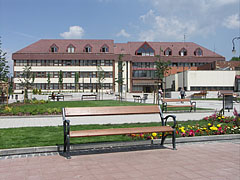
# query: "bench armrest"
{"type": "Point", "coordinates": [193, 103]}
{"type": "Point", "coordinates": [174, 120]}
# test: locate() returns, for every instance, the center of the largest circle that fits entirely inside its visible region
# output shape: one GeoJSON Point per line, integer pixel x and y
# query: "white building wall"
{"type": "Point", "coordinates": [202, 79]}
{"type": "Point", "coordinates": [211, 78]}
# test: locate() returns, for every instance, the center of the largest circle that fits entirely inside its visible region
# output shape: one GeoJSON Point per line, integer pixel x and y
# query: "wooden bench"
{"type": "Point", "coordinates": [89, 96]}
{"type": "Point", "coordinates": [115, 110]}
{"type": "Point", "coordinates": [117, 97]}
{"type": "Point", "coordinates": [165, 104]}
{"type": "Point", "coordinates": [56, 97]}
{"type": "Point", "coordinates": [138, 98]}
{"type": "Point", "coordinates": [202, 94]}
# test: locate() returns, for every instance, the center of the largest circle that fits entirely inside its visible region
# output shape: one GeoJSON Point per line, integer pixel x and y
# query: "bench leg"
{"type": "Point", "coordinates": [68, 147]}
{"type": "Point", "coordinates": [65, 136]}
{"type": "Point", "coordinates": [174, 139]}
{"type": "Point", "coordinates": [163, 138]}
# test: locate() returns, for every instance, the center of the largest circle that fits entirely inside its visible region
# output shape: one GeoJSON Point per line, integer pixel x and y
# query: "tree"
{"type": "Point", "coordinates": [4, 68]}
{"type": "Point", "coordinates": [100, 79]}
{"type": "Point", "coordinates": [48, 80]}
{"type": "Point", "coordinates": [161, 68]}
{"type": "Point", "coordinates": [60, 80]}
{"type": "Point", "coordinates": [27, 81]}
{"type": "Point", "coordinates": [120, 79]}
{"type": "Point", "coordinates": [235, 59]}
{"type": "Point", "coordinates": [76, 81]}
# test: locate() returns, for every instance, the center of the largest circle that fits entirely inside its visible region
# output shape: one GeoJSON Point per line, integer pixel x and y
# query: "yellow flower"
{"type": "Point", "coordinates": [219, 125]}
{"type": "Point", "coordinates": [219, 117]}
{"type": "Point", "coordinates": [223, 117]}
{"type": "Point", "coordinates": [154, 134]}
{"type": "Point", "coordinates": [209, 124]}
{"type": "Point", "coordinates": [204, 128]}
{"type": "Point", "coordinates": [183, 131]}
{"type": "Point", "coordinates": [213, 128]}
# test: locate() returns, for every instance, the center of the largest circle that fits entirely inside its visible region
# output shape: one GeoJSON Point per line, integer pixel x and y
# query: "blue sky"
{"type": "Point", "coordinates": [210, 23]}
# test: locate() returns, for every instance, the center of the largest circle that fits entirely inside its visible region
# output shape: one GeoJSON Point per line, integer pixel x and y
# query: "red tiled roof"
{"type": "Point", "coordinates": [41, 50]}
{"type": "Point", "coordinates": [43, 45]}
{"type": "Point", "coordinates": [174, 46]}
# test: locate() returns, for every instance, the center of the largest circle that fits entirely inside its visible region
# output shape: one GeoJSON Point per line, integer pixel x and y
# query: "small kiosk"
{"type": "Point", "coordinates": [227, 100]}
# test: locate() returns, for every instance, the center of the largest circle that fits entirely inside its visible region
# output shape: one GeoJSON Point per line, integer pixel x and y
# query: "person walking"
{"type": "Point", "coordinates": [182, 94]}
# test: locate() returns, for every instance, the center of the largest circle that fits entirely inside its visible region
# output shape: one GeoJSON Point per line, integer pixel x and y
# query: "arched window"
{"type": "Point", "coordinates": [104, 48]}
{"type": "Point", "coordinates": [198, 52]}
{"type": "Point", "coordinates": [53, 48]}
{"type": "Point", "coordinates": [145, 50]}
{"type": "Point", "coordinates": [88, 48]}
{"type": "Point", "coordinates": [71, 49]}
{"type": "Point", "coordinates": [168, 52]}
{"type": "Point", "coordinates": [183, 52]}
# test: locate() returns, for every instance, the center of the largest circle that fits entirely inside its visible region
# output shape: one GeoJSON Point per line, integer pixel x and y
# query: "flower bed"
{"type": "Point", "coordinates": [215, 124]}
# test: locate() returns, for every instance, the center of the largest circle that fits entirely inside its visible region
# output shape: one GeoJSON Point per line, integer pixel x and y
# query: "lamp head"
{"type": "Point", "coordinates": [233, 50]}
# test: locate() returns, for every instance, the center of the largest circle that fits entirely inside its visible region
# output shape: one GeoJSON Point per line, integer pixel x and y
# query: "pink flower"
{"type": "Point", "coordinates": [191, 133]}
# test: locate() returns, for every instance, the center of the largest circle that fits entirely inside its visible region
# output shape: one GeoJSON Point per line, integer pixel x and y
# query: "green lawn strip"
{"type": "Point", "coordinates": [56, 107]}
{"type": "Point", "coordinates": [50, 136]}
{"type": "Point", "coordinates": [185, 109]}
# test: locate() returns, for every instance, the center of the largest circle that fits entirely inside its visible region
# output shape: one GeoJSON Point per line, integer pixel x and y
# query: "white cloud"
{"type": "Point", "coordinates": [75, 32]}
{"type": "Point", "coordinates": [123, 33]}
{"type": "Point", "coordinates": [232, 22]}
{"type": "Point", "coordinates": [161, 28]}
{"type": "Point", "coordinates": [149, 14]}
{"type": "Point", "coordinates": [170, 20]}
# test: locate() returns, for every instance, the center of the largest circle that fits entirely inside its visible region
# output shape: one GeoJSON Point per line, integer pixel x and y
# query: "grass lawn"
{"type": "Point", "coordinates": [49, 107]}
{"type": "Point", "coordinates": [50, 136]}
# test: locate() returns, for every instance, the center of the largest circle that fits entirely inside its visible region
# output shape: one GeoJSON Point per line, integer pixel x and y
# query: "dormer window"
{"type": "Point", "coordinates": [198, 52]}
{"type": "Point", "coordinates": [105, 48]}
{"type": "Point", "coordinates": [145, 50]}
{"type": "Point", "coordinates": [54, 48]}
{"type": "Point", "coordinates": [168, 52]}
{"type": "Point", "coordinates": [88, 48]}
{"type": "Point", "coordinates": [71, 49]}
{"type": "Point", "coordinates": [183, 52]}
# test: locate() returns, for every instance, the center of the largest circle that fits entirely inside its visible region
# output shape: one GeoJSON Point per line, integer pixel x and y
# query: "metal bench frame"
{"type": "Point", "coordinates": [89, 96]}
{"type": "Point", "coordinates": [165, 104]}
{"type": "Point", "coordinates": [77, 112]}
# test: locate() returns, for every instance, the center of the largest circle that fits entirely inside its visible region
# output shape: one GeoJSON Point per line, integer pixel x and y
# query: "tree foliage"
{"type": "Point", "coordinates": [4, 68]}
{"type": "Point", "coordinates": [48, 80]}
{"type": "Point", "coordinates": [100, 78]}
{"type": "Point", "coordinates": [60, 80]}
{"type": "Point", "coordinates": [27, 80]}
{"type": "Point", "coordinates": [120, 79]}
{"type": "Point", "coordinates": [235, 59]}
{"type": "Point", "coordinates": [161, 68]}
{"type": "Point", "coordinates": [76, 80]}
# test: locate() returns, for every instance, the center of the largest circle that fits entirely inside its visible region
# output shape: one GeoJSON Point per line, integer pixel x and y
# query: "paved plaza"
{"type": "Point", "coordinates": [210, 161]}
{"type": "Point", "coordinates": [213, 160]}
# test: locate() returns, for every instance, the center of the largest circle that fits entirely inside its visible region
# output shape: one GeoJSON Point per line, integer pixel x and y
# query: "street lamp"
{"type": "Point", "coordinates": [234, 50]}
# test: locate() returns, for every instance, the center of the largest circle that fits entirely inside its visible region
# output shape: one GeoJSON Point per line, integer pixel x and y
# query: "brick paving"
{"type": "Point", "coordinates": [215, 160]}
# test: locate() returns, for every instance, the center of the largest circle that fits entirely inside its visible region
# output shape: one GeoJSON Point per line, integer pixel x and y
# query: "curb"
{"type": "Point", "coordinates": [92, 146]}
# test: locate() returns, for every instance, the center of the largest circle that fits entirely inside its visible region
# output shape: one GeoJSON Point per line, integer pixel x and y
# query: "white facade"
{"type": "Point", "coordinates": [202, 80]}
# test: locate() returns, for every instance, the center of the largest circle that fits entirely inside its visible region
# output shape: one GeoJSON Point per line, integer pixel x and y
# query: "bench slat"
{"type": "Point", "coordinates": [175, 100]}
{"type": "Point", "coordinates": [180, 105]}
{"type": "Point", "coordinates": [111, 110]}
{"type": "Point", "coordinates": [120, 131]}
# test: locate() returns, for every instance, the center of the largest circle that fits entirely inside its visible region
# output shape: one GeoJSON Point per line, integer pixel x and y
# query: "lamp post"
{"type": "Point", "coordinates": [234, 50]}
